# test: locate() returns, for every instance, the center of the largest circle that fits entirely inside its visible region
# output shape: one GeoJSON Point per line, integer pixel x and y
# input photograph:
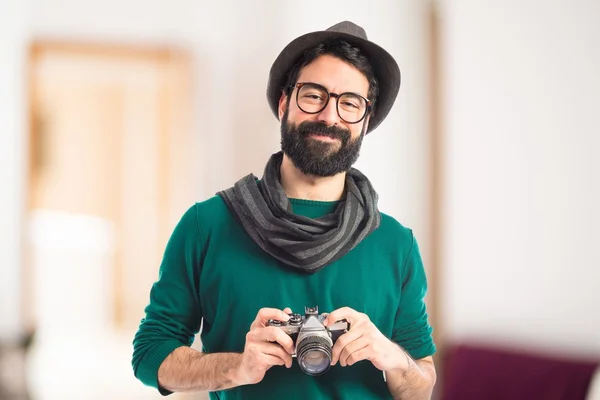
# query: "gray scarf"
{"type": "Point", "coordinates": [265, 212]}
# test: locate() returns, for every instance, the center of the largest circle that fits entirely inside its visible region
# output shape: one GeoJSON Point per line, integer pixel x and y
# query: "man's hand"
{"type": "Point", "coordinates": [406, 378]}
{"type": "Point", "coordinates": [265, 347]}
{"type": "Point", "coordinates": [364, 342]}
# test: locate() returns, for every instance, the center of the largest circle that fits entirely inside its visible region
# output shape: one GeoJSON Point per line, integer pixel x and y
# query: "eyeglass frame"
{"type": "Point", "coordinates": [336, 96]}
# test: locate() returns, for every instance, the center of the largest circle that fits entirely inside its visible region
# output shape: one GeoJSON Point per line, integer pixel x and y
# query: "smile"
{"type": "Point", "coordinates": [323, 137]}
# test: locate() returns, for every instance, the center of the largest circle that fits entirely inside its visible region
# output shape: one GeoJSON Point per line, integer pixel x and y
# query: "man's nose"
{"type": "Point", "coordinates": [329, 115]}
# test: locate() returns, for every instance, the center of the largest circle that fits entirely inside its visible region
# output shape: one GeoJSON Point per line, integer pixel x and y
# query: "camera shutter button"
{"type": "Point", "coordinates": [295, 319]}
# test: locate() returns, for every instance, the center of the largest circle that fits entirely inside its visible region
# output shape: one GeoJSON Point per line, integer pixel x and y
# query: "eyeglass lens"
{"type": "Point", "coordinates": [313, 99]}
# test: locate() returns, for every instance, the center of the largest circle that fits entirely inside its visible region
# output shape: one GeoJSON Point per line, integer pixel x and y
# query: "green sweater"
{"type": "Point", "coordinates": [213, 272]}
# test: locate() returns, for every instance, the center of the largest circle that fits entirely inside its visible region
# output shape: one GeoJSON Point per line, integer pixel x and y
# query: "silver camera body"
{"type": "Point", "coordinates": [313, 341]}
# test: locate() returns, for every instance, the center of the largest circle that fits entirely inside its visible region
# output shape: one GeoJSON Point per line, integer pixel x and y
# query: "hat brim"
{"type": "Point", "coordinates": [385, 68]}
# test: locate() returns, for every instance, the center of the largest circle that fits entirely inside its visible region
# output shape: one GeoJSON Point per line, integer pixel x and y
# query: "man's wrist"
{"type": "Point", "coordinates": [401, 359]}
{"type": "Point", "coordinates": [234, 374]}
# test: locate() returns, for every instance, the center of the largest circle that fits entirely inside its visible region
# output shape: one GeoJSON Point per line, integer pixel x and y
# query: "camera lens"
{"type": "Point", "coordinates": [315, 361]}
{"type": "Point", "coordinates": [314, 355]}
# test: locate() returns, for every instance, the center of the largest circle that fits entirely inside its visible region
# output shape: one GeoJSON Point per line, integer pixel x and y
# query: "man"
{"type": "Point", "coordinates": [307, 234]}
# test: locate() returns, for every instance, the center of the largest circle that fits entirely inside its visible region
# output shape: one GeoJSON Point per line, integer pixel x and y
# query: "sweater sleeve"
{"type": "Point", "coordinates": [174, 312]}
{"type": "Point", "coordinates": [411, 327]}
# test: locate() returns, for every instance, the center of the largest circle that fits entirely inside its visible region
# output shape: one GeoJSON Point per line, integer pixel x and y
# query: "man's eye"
{"type": "Point", "coordinates": [314, 96]}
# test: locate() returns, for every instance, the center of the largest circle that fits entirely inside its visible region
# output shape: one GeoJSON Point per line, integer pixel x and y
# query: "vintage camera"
{"type": "Point", "coordinates": [313, 340]}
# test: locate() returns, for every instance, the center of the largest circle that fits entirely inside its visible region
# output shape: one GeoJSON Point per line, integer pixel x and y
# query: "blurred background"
{"type": "Point", "coordinates": [115, 116]}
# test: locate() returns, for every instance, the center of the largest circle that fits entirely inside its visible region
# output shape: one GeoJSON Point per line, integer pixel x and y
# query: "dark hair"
{"type": "Point", "coordinates": [344, 51]}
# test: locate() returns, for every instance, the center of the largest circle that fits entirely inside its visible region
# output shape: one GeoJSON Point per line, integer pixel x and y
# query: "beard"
{"type": "Point", "coordinates": [315, 157]}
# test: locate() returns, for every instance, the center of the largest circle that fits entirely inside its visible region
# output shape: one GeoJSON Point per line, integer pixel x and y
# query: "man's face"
{"type": "Point", "coordinates": [323, 144]}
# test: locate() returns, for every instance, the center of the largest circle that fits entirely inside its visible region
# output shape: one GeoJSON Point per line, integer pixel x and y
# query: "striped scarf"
{"type": "Point", "coordinates": [265, 212]}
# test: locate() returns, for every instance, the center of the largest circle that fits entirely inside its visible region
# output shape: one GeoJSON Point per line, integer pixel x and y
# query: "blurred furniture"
{"type": "Point", "coordinates": [13, 369]}
{"type": "Point", "coordinates": [77, 353]}
{"type": "Point", "coordinates": [476, 372]}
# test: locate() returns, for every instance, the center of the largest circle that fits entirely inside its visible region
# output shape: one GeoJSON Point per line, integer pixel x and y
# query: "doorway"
{"type": "Point", "coordinates": [110, 172]}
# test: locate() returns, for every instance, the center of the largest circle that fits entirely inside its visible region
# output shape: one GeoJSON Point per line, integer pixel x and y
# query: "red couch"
{"type": "Point", "coordinates": [476, 372]}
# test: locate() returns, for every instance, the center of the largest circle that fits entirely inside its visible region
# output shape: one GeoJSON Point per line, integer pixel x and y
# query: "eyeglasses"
{"type": "Point", "coordinates": [312, 98]}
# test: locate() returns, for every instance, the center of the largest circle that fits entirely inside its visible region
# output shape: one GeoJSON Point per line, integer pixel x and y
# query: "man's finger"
{"type": "Point", "coordinates": [276, 335]}
{"type": "Point", "coordinates": [276, 350]}
{"type": "Point", "coordinates": [265, 314]}
{"type": "Point", "coordinates": [352, 349]}
{"type": "Point", "coordinates": [342, 342]}
{"type": "Point", "coordinates": [350, 315]}
{"type": "Point", "coordinates": [268, 360]}
{"type": "Point", "coordinates": [358, 355]}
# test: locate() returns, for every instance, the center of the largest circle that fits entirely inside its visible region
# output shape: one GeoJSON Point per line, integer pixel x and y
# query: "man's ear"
{"type": "Point", "coordinates": [282, 104]}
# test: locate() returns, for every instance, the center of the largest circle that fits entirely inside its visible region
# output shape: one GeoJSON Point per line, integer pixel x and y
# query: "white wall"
{"type": "Point", "coordinates": [233, 44]}
{"type": "Point", "coordinates": [522, 96]}
{"type": "Point", "coordinates": [12, 124]}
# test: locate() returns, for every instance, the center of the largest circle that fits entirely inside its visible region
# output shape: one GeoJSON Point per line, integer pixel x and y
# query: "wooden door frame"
{"type": "Point", "coordinates": [179, 67]}
{"type": "Point", "coordinates": [436, 182]}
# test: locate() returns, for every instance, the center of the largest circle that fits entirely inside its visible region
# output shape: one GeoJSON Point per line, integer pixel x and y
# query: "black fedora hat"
{"type": "Point", "coordinates": [385, 67]}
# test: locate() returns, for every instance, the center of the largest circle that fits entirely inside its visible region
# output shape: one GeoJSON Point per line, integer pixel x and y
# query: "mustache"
{"type": "Point", "coordinates": [310, 127]}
